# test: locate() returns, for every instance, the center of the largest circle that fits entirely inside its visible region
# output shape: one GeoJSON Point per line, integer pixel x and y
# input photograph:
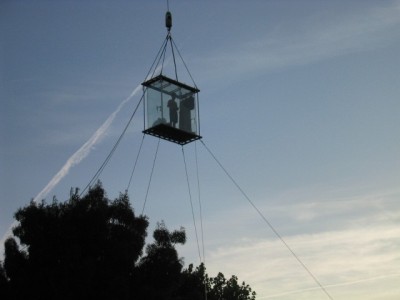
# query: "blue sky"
{"type": "Point", "coordinates": [299, 101]}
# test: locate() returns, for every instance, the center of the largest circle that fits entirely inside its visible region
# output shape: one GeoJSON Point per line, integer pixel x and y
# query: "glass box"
{"type": "Point", "coordinates": [171, 110]}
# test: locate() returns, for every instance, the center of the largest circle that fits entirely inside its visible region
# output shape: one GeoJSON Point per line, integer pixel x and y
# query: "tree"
{"type": "Point", "coordinates": [4, 285]}
{"type": "Point", "coordinates": [193, 283]}
{"type": "Point", "coordinates": [15, 266]}
{"type": "Point", "coordinates": [85, 247]}
{"type": "Point", "coordinates": [92, 248]}
{"type": "Point", "coordinates": [218, 288]}
{"type": "Point", "coordinates": [160, 269]}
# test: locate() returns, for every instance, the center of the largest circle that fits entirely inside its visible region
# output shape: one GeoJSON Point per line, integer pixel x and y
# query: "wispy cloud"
{"type": "Point", "coordinates": [312, 41]}
{"type": "Point", "coordinates": [336, 258]}
{"type": "Point", "coordinates": [355, 282]}
{"type": "Point", "coordinates": [343, 248]}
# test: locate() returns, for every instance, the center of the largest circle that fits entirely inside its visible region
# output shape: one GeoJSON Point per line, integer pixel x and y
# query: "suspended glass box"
{"type": "Point", "coordinates": [171, 110]}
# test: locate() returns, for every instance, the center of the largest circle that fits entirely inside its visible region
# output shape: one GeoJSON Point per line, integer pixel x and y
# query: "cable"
{"type": "Point", "coordinates": [269, 224]}
{"type": "Point", "coordinates": [201, 217]}
{"type": "Point", "coordinates": [163, 53]}
{"type": "Point", "coordinates": [159, 55]}
{"type": "Point", "coordinates": [191, 204]}
{"type": "Point", "coordinates": [173, 56]}
{"type": "Point", "coordinates": [151, 176]}
{"type": "Point", "coordinates": [100, 170]}
{"type": "Point", "coordinates": [200, 206]}
{"type": "Point", "coordinates": [191, 77]}
{"type": "Point", "coordinates": [134, 166]}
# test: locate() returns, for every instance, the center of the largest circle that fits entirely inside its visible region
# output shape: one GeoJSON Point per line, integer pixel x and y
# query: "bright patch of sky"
{"type": "Point", "coordinates": [299, 101]}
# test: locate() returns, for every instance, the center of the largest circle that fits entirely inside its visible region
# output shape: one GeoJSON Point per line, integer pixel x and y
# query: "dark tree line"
{"type": "Point", "coordinates": [93, 248]}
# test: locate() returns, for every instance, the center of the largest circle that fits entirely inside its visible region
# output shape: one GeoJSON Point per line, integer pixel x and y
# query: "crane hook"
{"type": "Point", "coordinates": [168, 20]}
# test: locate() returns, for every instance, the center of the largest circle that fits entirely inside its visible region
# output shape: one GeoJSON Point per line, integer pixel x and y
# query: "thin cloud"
{"type": "Point", "coordinates": [279, 295]}
{"type": "Point", "coordinates": [341, 246]}
{"type": "Point", "coordinates": [318, 40]}
{"type": "Point", "coordinates": [337, 259]}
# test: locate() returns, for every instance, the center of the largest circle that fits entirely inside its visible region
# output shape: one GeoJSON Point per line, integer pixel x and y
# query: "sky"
{"type": "Point", "coordinates": [299, 102]}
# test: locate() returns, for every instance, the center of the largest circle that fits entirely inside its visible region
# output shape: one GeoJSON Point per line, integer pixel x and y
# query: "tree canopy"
{"type": "Point", "coordinates": [94, 248]}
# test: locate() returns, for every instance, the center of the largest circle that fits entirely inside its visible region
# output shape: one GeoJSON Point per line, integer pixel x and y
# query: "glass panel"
{"type": "Point", "coordinates": [155, 108]}
{"type": "Point", "coordinates": [171, 104]}
{"type": "Point", "coordinates": [187, 115]}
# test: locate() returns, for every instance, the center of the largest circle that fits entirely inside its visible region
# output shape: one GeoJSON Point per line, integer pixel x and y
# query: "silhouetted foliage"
{"type": "Point", "coordinates": [193, 282]}
{"type": "Point", "coordinates": [86, 246]}
{"type": "Point", "coordinates": [218, 288]}
{"type": "Point", "coordinates": [4, 285]}
{"type": "Point", "coordinates": [160, 268]}
{"type": "Point", "coordinates": [92, 248]}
